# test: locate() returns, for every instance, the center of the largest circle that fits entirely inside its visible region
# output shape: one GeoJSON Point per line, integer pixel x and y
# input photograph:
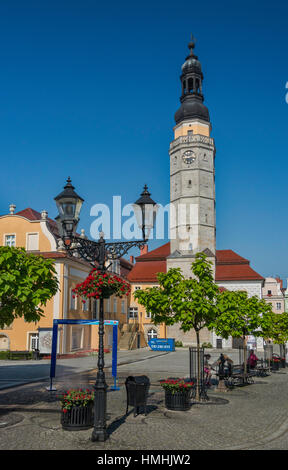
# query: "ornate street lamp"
{"type": "Point", "coordinates": [69, 205]}
{"type": "Point", "coordinates": [98, 254]}
{"type": "Point", "coordinates": [145, 212]}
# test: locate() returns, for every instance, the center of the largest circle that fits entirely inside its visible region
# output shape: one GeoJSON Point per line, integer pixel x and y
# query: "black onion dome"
{"type": "Point", "coordinates": [191, 62]}
{"type": "Point", "coordinates": [192, 108]}
{"type": "Point", "coordinates": [192, 98]}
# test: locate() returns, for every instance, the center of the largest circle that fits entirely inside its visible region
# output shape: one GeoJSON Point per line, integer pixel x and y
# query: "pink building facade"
{"type": "Point", "coordinates": [274, 293]}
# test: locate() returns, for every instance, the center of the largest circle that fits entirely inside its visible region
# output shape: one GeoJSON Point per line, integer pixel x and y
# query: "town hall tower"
{"type": "Point", "coordinates": [192, 174]}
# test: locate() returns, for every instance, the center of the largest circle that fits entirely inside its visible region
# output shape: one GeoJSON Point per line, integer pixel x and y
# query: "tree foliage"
{"type": "Point", "coordinates": [190, 302]}
{"type": "Point", "coordinates": [277, 329]}
{"type": "Point", "coordinates": [27, 282]}
{"type": "Point", "coordinates": [241, 315]}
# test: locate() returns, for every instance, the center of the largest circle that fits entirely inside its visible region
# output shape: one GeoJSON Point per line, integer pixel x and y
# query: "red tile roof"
{"type": "Point", "coordinates": [236, 272]}
{"type": "Point", "coordinates": [229, 257]}
{"type": "Point", "coordinates": [229, 266]}
{"type": "Point", "coordinates": [31, 214]}
{"type": "Point", "coordinates": [149, 264]}
{"type": "Point", "coordinates": [159, 253]}
{"type": "Point", "coordinates": [147, 271]}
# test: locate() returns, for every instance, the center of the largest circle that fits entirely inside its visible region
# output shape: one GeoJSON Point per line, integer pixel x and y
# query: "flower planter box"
{"type": "Point", "coordinates": [275, 365]}
{"type": "Point", "coordinates": [77, 418]}
{"type": "Point", "coordinates": [177, 401]}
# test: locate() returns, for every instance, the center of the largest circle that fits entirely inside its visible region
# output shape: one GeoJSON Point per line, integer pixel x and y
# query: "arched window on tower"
{"type": "Point", "coordinates": [190, 85]}
{"type": "Point", "coordinates": [184, 87]}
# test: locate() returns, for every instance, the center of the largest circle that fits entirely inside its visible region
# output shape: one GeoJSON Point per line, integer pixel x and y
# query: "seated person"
{"type": "Point", "coordinates": [252, 360]}
{"type": "Point", "coordinates": [225, 365]}
{"type": "Point", "coordinates": [207, 369]}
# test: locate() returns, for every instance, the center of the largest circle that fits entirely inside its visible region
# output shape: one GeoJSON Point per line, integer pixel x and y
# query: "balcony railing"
{"type": "Point", "coordinates": [195, 138]}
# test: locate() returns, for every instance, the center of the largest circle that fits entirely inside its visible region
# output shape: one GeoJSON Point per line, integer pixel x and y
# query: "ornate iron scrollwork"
{"type": "Point", "coordinates": [100, 251]}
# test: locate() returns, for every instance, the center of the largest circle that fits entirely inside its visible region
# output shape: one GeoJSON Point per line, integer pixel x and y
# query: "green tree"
{"type": "Point", "coordinates": [27, 282]}
{"type": "Point", "coordinates": [190, 302]}
{"type": "Point", "coordinates": [241, 316]}
{"type": "Point", "coordinates": [277, 328]}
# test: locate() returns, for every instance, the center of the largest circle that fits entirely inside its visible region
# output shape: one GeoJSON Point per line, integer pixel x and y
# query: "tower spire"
{"type": "Point", "coordinates": [192, 95]}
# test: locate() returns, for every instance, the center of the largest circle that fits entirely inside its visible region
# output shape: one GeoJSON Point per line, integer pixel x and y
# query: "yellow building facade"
{"type": "Point", "coordinates": [142, 276]}
{"type": "Point", "coordinates": [38, 234]}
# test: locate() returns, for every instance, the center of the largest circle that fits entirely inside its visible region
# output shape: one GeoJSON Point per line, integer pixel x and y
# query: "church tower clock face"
{"type": "Point", "coordinates": [189, 157]}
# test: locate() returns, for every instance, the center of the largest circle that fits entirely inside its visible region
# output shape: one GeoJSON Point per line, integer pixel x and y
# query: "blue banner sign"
{"type": "Point", "coordinates": [158, 344]}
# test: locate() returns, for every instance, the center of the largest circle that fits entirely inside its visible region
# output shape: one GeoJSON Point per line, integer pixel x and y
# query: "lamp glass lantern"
{"type": "Point", "coordinates": [69, 205]}
{"type": "Point", "coordinates": [145, 212]}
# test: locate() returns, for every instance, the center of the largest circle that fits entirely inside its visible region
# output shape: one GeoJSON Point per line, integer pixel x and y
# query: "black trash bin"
{"type": "Point", "coordinates": [137, 389]}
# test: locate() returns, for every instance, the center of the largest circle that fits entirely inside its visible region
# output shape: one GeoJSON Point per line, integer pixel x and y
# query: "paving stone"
{"type": "Point", "coordinates": [251, 417]}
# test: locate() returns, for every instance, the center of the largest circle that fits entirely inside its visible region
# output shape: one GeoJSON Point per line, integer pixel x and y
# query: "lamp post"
{"type": "Point", "coordinates": [97, 254]}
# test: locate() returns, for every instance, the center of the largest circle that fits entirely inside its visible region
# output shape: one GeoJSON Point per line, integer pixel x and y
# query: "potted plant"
{"type": "Point", "coordinates": [177, 393]}
{"type": "Point", "coordinates": [275, 362]}
{"type": "Point", "coordinates": [77, 409]}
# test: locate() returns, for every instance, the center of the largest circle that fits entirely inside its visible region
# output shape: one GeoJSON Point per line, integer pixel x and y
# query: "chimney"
{"type": "Point", "coordinates": [143, 250]}
{"type": "Point", "coordinates": [12, 208]}
{"type": "Point", "coordinates": [132, 259]}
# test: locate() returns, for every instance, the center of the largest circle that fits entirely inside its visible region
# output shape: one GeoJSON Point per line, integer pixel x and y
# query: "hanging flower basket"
{"type": "Point", "coordinates": [77, 409]}
{"type": "Point", "coordinates": [98, 285]}
{"type": "Point", "coordinates": [177, 394]}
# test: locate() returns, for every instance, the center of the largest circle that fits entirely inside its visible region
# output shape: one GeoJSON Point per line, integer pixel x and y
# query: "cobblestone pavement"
{"type": "Point", "coordinates": [251, 417]}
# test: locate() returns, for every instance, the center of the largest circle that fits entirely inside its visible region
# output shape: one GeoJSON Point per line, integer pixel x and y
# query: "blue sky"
{"type": "Point", "coordinates": [89, 90]}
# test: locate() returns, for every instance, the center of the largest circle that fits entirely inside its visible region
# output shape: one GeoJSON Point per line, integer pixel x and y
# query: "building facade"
{"type": "Point", "coordinates": [38, 234]}
{"type": "Point", "coordinates": [274, 293]}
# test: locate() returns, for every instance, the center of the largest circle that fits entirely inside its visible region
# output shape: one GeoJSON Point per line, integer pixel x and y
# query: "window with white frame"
{"type": "Point", "coordinates": [77, 337]}
{"type": "Point", "coordinates": [123, 306]}
{"type": "Point", "coordinates": [32, 241]}
{"type": "Point", "coordinates": [114, 305]}
{"type": "Point", "coordinates": [148, 314]}
{"type": "Point", "coordinates": [115, 266]}
{"type": "Point", "coordinates": [73, 300]}
{"type": "Point", "coordinates": [278, 305]}
{"type": "Point", "coordinates": [86, 305]}
{"type": "Point", "coordinates": [34, 341]}
{"type": "Point", "coordinates": [10, 240]}
{"type": "Point", "coordinates": [137, 287]}
{"type": "Point", "coordinates": [152, 334]}
{"type": "Point", "coordinates": [133, 312]}
{"type": "Point", "coordinates": [108, 305]}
